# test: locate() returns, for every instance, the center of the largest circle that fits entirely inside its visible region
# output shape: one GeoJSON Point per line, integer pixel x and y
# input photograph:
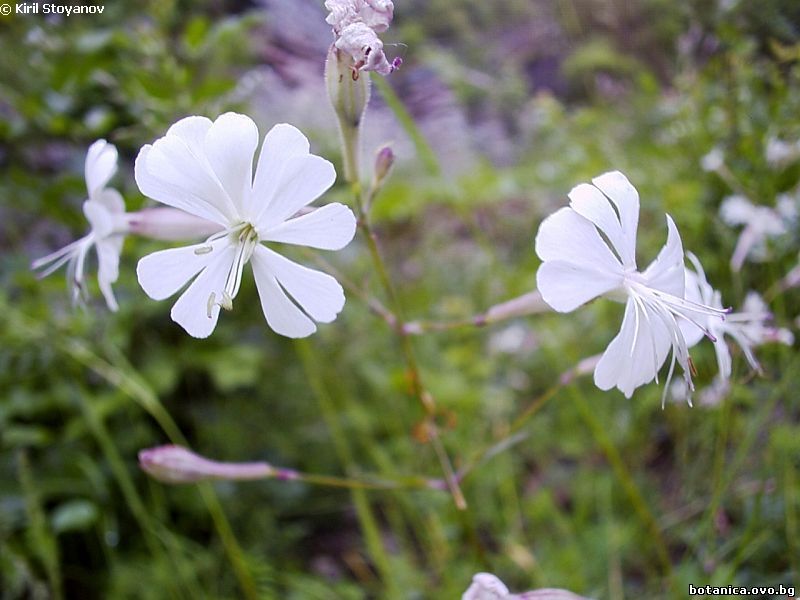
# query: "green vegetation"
{"type": "Point", "coordinates": [604, 496]}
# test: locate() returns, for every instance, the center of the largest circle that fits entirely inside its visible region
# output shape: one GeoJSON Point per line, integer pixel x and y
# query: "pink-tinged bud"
{"type": "Point", "coordinates": [175, 464]}
{"type": "Point", "coordinates": [383, 164]}
{"type": "Point", "coordinates": [527, 304]}
{"type": "Point", "coordinates": [170, 224]}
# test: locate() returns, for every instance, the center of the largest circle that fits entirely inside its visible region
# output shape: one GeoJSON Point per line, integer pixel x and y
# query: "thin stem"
{"type": "Point", "coordinates": [424, 397]}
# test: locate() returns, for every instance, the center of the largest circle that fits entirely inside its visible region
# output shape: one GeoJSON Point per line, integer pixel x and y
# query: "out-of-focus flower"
{"type": "Point", "coordinates": [779, 153]}
{"type": "Point", "coordinates": [589, 250]}
{"type": "Point", "coordinates": [205, 169]}
{"type": "Point", "coordinates": [749, 328]}
{"type": "Point", "coordinates": [712, 161]}
{"type": "Point", "coordinates": [105, 211]}
{"type": "Point", "coordinates": [356, 24]}
{"type": "Point", "coordinates": [486, 586]}
{"type": "Point", "coordinates": [760, 223]}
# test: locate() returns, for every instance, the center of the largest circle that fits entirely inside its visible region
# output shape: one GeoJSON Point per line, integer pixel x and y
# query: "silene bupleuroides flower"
{"type": "Point", "coordinates": [356, 25]}
{"type": "Point", "coordinates": [105, 210]}
{"type": "Point", "coordinates": [206, 169]}
{"type": "Point", "coordinates": [750, 327]}
{"type": "Point", "coordinates": [588, 249]}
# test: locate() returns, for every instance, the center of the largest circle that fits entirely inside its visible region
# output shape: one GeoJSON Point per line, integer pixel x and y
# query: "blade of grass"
{"type": "Point", "coordinates": [424, 150]}
{"type": "Point", "coordinates": [42, 540]}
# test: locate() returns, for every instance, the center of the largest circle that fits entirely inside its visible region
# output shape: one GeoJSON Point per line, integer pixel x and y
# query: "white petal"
{"type": "Point", "coordinates": [318, 294]}
{"type": "Point", "coordinates": [99, 218]}
{"type": "Point", "coordinates": [566, 236]}
{"type": "Point", "coordinates": [282, 314]}
{"type": "Point", "coordinates": [723, 357]}
{"type": "Point", "coordinates": [612, 364]}
{"type": "Point", "coordinates": [108, 251]}
{"type": "Point", "coordinates": [592, 204]}
{"type": "Point", "coordinates": [736, 210]}
{"type": "Point", "coordinates": [192, 130]}
{"type": "Point", "coordinates": [111, 199]}
{"type": "Point", "coordinates": [101, 164]}
{"type": "Point", "coordinates": [174, 174]}
{"type": "Point", "coordinates": [667, 271]}
{"type": "Point", "coordinates": [565, 286]}
{"type": "Point", "coordinates": [486, 586]}
{"type": "Point", "coordinates": [163, 273]}
{"type": "Point", "coordinates": [281, 143]}
{"type": "Point", "coordinates": [191, 311]}
{"type": "Point", "coordinates": [330, 227]}
{"type": "Point", "coordinates": [625, 197]}
{"type": "Point", "coordinates": [230, 145]}
{"type": "Point", "coordinates": [636, 354]}
{"type": "Point", "coordinates": [302, 180]}
{"type": "Point", "coordinates": [652, 344]}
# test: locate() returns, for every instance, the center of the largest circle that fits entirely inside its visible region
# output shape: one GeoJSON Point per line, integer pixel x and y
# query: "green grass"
{"type": "Point", "coordinates": [566, 486]}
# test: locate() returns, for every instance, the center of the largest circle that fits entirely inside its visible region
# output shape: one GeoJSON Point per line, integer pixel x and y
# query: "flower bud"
{"type": "Point", "coordinates": [349, 91]}
{"type": "Point", "coordinates": [170, 224]}
{"type": "Point", "coordinates": [383, 164]}
{"type": "Point", "coordinates": [175, 464]}
{"type": "Point", "coordinates": [527, 304]}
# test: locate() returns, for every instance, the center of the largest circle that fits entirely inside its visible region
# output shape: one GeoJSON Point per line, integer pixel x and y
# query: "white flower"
{"type": "Point", "coordinates": [206, 169]}
{"type": "Point", "coordinates": [356, 24]}
{"type": "Point", "coordinates": [105, 211]}
{"type": "Point", "coordinates": [588, 250]}
{"type": "Point", "coordinates": [375, 14]}
{"type": "Point", "coordinates": [713, 161]}
{"type": "Point", "coordinates": [779, 153]}
{"type": "Point", "coordinates": [486, 586]}
{"type": "Point", "coordinates": [749, 328]}
{"type": "Point", "coordinates": [760, 223]}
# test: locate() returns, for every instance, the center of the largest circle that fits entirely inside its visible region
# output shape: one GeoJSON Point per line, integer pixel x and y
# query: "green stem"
{"type": "Point", "coordinates": [425, 399]}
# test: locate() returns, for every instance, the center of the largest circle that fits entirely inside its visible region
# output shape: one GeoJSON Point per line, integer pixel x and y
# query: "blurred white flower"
{"type": "Point", "coordinates": [712, 161]}
{"type": "Point", "coordinates": [749, 328]}
{"type": "Point", "coordinates": [486, 586]}
{"type": "Point", "coordinates": [589, 250]}
{"type": "Point", "coordinates": [206, 169]}
{"type": "Point", "coordinates": [760, 223]}
{"type": "Point", "coordinates": [356, 24]}
{"type": "Point", "coordinates": [711, 395]}
{"type": "Point", "coordinates": [779, 153]}
{"type": "Point", "coordinates": [105, 211]}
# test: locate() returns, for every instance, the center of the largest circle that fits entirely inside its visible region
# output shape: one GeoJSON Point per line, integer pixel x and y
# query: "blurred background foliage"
{"type": "Point", "coordinates": [520, 100]}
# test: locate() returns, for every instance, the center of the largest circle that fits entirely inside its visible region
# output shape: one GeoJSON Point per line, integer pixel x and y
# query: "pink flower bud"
{"type": "Point", "coordinates": [383, 163]}
{"type": "Point", "coordinates": [170, 224]}
{"type": "Point", "coordinates": [175, 464]}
